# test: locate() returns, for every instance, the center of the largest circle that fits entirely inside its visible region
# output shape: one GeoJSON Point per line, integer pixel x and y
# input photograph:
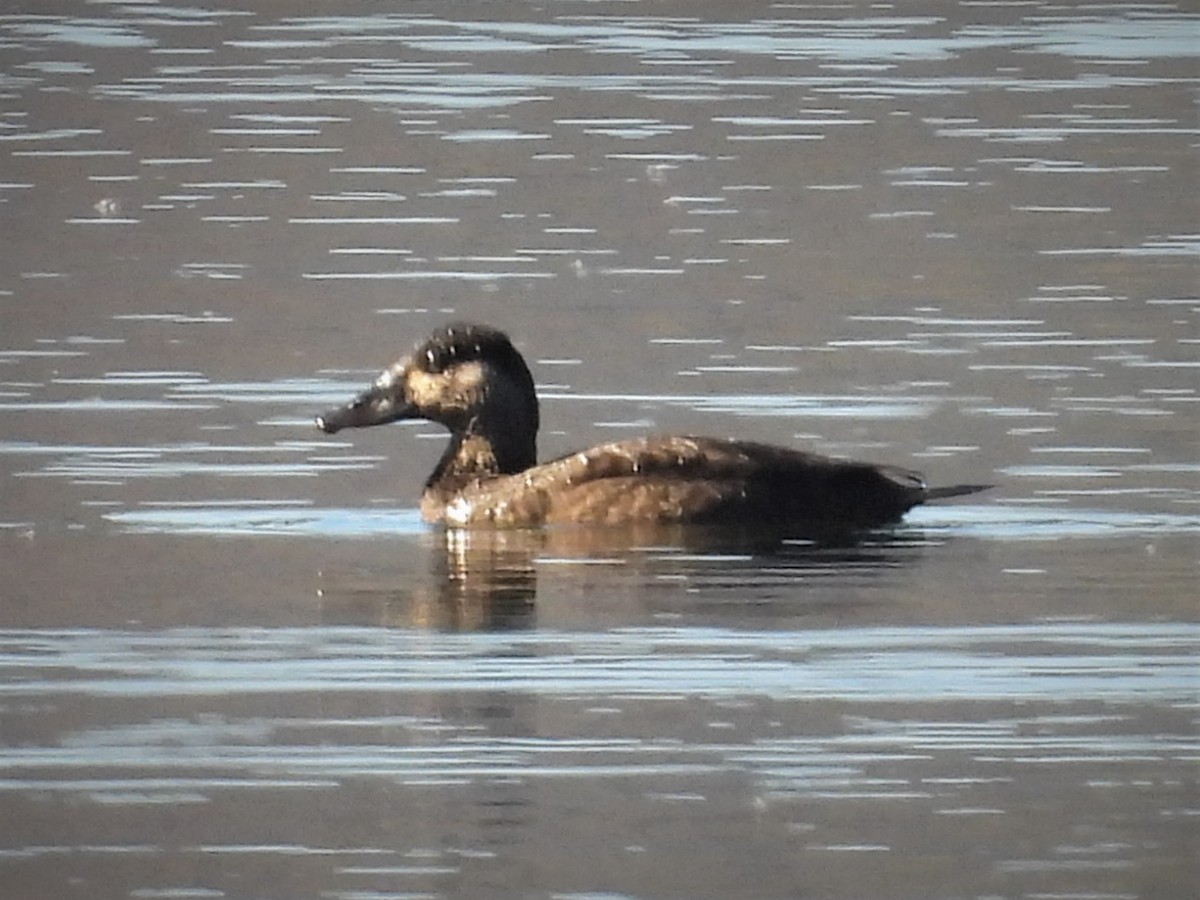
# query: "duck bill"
{"type": "Point", "coordinates": [372, 407]}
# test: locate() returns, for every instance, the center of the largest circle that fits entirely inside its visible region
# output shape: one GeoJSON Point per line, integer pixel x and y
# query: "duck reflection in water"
{"type": "Point", "coordinates": [487, 579]}
{"type": "Point", "coordinates": [470, 379]}
{"type": "Point", "coordinates": [481, 580]}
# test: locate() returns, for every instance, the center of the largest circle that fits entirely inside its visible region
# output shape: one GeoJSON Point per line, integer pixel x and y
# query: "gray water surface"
{"type": "Point", "coordinates": [958, 237]}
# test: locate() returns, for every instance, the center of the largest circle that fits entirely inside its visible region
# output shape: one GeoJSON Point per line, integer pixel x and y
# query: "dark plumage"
{"type": "Point", "coordinates": [472, 380]}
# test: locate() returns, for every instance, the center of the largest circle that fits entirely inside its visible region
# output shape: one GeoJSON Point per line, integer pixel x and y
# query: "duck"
{"type": "Point", "coordinates": [470, 379]}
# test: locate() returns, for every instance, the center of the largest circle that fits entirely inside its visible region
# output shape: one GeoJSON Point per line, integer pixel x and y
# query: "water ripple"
{"type": "Point", "coordinates": [1012, 663]}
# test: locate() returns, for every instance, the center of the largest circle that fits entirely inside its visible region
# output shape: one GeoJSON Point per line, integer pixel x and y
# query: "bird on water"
{"type": "Point", "coordinates": [470, 379]}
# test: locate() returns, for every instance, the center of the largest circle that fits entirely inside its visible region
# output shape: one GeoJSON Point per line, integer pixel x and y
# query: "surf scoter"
{"type": "Point", "coordinates": [472, 380]}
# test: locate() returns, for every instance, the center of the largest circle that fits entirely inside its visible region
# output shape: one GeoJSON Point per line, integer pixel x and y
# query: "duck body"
{"type": "Point", "coordinates": [471, 379]}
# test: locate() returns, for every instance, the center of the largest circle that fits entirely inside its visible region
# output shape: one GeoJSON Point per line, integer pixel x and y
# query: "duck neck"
{"type": "Point", "coordinates": [477, 453]}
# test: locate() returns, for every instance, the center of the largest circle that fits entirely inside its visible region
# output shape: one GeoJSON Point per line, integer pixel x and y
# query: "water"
{"type": "Point", "coordinates": [956, 237]}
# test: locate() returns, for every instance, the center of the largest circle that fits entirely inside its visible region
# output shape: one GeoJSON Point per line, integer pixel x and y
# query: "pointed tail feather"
{"type": "Point", "coordinates": [954, 490]}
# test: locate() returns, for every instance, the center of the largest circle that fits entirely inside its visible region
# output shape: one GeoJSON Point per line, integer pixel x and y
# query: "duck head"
{"type": "Point", "coordinates": [468, 378]}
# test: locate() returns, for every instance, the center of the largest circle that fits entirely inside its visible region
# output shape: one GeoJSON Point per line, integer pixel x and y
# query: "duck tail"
{"type": "Point", "coordinates": [954, 490]}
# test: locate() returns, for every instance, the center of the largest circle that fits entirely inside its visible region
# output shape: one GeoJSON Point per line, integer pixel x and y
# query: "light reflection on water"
{"type": "Point", "coordinates": [922, 753]}
{"type": "Point", "coordinates": [173, 761]}
{"type": "Point", "coordinates": [1013, 522]}
{"type": "Point", "coordinates": [1066, 662]}
{"type": "Point", "coordinates": [262, 738]}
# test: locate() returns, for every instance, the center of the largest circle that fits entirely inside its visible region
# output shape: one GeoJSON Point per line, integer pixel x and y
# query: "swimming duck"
{"type": "Point", "coordinates": [470, 378]}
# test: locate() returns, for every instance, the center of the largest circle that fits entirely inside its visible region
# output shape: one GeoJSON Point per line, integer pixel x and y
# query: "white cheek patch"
{"type": "Point", "coordinates": [455, 390]}
{"type": "Point", "coordinates": [469, 377]}
{"type": "Point", "coordinates": [424, 389]}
